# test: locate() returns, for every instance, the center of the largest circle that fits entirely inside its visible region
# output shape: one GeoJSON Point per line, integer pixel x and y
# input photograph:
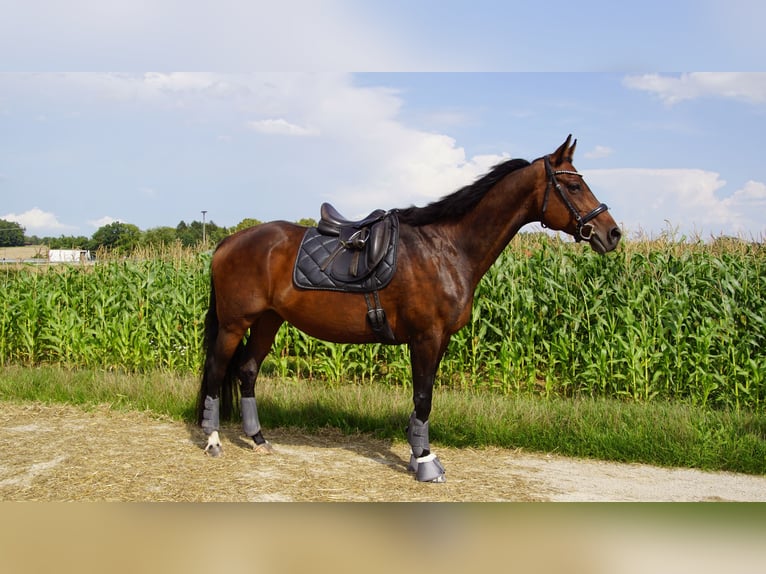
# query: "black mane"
{"type": "Point", "coordinates": [457, 204]}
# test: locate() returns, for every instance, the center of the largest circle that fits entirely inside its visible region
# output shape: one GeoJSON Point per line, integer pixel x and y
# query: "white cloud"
{"type": "Point", "coordinates": [747, 87]}
{"type": "Point", "coordinates": [686, 200]}
{"type": "Point", "coordinates": [363, 155]}
{"type": "Point", "coordinates": [285, 35]}
{"type": "Point", "coordinates": [36, 221]}
{"type": "Point", "coordinates": [750, 202]}
{"type": "Point", "coordinates": [102, 221]}
{"type": "Point", "coordinates": [281, 126]}
{"type": "Point", "coordinates": [599, 152]}
{"type": "Point", "coordinates": [184, 81]}
{"type": "Point", "coordinates": [419, 168]}
{"type": "Point", "coordinates": [372, 157]}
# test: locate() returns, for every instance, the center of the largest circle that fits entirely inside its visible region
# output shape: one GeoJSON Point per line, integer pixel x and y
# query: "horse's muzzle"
{"type": "Point", "coordinates": [605, 242]}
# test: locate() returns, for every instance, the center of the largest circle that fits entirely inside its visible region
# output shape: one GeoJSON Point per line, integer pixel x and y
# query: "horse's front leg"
{"type": "Point", "coordinates": [425, 357]}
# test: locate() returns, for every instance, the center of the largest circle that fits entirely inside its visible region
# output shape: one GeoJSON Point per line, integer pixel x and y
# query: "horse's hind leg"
{"type": "Point", "coordinates": [262, 335]}
{"type": "Point", "coordinates": [216, 365]}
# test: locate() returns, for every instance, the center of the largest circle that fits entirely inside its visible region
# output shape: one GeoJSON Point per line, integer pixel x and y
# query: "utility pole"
{"type": "Point", "coordinates": [204, 235]}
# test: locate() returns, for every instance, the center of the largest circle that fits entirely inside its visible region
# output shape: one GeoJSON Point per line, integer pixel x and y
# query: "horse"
{"type": "Point", "coordinates": [443, 250]}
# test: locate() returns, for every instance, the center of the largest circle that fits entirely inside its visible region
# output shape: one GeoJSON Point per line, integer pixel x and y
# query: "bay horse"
{"type": "Point", "coordinates": [444, 249]}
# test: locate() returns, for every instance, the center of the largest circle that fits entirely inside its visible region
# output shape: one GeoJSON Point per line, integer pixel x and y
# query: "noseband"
{"type": "Point", "coordinates": [584, 229]}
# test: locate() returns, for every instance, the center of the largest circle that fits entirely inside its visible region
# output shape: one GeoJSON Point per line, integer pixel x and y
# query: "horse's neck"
{"type": "Point", "coordinates": [482, 234]}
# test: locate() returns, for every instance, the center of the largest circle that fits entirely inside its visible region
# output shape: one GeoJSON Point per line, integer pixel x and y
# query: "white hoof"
{"type": "Point", "coordinates": [214, 447]}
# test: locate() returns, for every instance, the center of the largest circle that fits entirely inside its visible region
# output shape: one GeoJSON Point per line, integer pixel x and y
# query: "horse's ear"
{"type": "Point", "coordinates": [563, 152]}
{"type": "Point", "coordinates": [570, 152]}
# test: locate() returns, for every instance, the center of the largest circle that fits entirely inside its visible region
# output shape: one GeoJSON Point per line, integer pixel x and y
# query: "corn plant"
{"type": "Point", "coordinates": [654, 319]}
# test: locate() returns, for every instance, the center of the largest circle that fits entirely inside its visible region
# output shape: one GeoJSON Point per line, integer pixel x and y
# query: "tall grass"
{"type": "Point", "coordinates": [652, 320]}
{"type": "Point", "coordinates": [655, 319]}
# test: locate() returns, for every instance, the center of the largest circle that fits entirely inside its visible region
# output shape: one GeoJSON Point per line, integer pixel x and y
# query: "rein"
{"type": "Point", "coordinates": [584, 229]}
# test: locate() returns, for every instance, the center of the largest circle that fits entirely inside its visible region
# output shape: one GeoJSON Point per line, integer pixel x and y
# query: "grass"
{"type": "Point", "coordinates": [161, 393]}
{"type": "Point", "coordinates": [664, 433]}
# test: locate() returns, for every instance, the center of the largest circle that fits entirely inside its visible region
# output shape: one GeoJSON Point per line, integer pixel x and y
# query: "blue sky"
{"type": "Point", "coordinates": [446, 91]}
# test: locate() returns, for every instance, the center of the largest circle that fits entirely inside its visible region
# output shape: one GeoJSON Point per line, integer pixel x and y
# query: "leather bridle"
{"type": "Point", "coordinates": [584, 229]}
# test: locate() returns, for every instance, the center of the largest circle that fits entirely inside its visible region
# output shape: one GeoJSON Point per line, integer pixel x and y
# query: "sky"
{"type": "Point", "coordinates": [371, 107]}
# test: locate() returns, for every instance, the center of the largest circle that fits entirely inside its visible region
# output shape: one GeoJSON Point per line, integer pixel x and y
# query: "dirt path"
{"type": "Point", "coordinates": [66, 453]}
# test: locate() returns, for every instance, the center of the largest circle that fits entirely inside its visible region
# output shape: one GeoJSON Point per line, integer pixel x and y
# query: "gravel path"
{"type": "Point", "coordinates": [61, 453]}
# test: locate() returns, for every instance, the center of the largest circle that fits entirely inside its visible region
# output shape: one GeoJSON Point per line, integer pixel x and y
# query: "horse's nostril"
{"type": "Point", "coordinates": [615, 234]}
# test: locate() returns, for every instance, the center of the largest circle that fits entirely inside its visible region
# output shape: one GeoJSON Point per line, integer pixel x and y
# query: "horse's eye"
{"type": "Point", "coordinates": [574, 188]}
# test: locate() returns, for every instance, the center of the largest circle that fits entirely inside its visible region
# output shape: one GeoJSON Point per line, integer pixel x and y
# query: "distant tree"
{"type": "Point", "coordinates": [117, 236]}
{"type": "Point", "coordinates": [245, 223]}
{"type": "Point", "coordinates": [307, 221]}
{"type": "Point", "coordinates": [67, 242]}
{"type": "Point", "coordinates": [187, 235]}
{"type": "Point", "coordinates": [11, 234]}
{"type": "Point", "coordinates": [159, 236]}
{"type": "Point", "coordinates": [191, 234]}
{"type": "Point", "coordinates": [214, 233]}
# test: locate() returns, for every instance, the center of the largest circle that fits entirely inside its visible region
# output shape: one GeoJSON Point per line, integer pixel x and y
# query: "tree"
{"type": "Point", "coordinates": [67, 242]}
{"type": "Point", "coordinates": [187, 235]}
{"type": "Point", "coordinates": [191, 234]}
{"type": "Point", "coordinates": [11, 234]}
{"type": "Point", "coordinates": [214, 233]}
{"type": "Point", "coordinates": [245, 223]}
{"type": "Point", "coordinates": [159, 236]}
{"type": "Point", "coordinates": [117, 236]}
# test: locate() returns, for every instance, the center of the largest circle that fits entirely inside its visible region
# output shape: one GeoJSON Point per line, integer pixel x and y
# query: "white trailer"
{"type": "Point", "coordinates": [69, 255]}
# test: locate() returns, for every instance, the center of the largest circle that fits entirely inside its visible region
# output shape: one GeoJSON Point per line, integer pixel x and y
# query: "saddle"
{"type": "Point", "coordinates": [344, 255]}
{"type": "Point", "coordinates": [353, 257]}
{"type": "Point", "coordinates": [332, 223]}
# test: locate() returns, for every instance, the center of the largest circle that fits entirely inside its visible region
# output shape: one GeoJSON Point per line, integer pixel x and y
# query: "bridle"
{"type": "Point", "coordinates": [584, 229]}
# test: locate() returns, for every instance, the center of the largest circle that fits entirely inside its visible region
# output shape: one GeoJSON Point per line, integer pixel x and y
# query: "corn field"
{"type": "Point", "coordinates": [654, 319]}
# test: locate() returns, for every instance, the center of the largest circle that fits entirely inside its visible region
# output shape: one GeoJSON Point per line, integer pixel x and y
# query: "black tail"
{"type": "Point", "coordinates": [230, 385]}
{"type": "Point", "coordinates": [211, 334]}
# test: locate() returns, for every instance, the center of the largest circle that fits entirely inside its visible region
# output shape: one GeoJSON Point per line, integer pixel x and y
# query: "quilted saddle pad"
{"type": "Point", "coordinates": [317, 264]}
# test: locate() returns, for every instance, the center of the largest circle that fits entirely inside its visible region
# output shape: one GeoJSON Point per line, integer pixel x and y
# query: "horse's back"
{"type": "Point", "coordinates": [255, 257]}
{"type": "Point", "coordinates": [258, 243]}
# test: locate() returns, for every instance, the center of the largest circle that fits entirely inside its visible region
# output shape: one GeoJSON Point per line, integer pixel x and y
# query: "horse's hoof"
{"type": "Point", "coordinates": [214, 450]}
{"type": "Point", "coordinates": [263, 448]}
{"type": "Point", "coordinates": [427, 469]}
{"type": "Point", "coordinates": [213, 447]}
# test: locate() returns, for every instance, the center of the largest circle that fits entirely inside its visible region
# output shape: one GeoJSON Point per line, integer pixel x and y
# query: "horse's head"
{"type": "Point", "coordinates": [569, 205]}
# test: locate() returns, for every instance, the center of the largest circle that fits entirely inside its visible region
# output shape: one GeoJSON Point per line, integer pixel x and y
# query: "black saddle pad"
{"type": "Point", "coordinates": [316, 249]}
